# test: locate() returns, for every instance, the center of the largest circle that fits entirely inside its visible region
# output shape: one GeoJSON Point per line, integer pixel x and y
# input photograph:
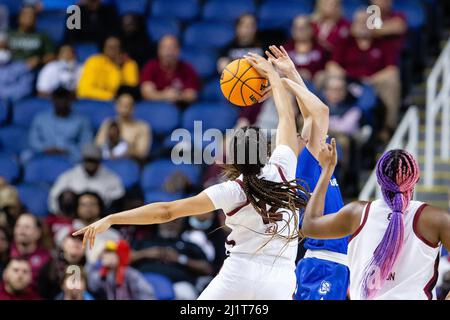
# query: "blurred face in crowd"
{"type": "Point", "coordinates": [91, 166]}
{"type": "Point", "coordinates": [171, 230]}
{"type": "Point", "coordinates": [302, 29]}
{"type": "Point", "coordinates": [385, 5]}
{"type": "Point", "coordinates": [88, 208]}
{"type": "Point", "coordinates": [17, 276]}
{"type": "Point", "coordinates": [27, 19]}
{"type": "Point", "coordinates": [130, 24]}
{"type": "Point", "coordinates": [93, 4]}
{"type": "Point", "coordinates": [72, 250]}
{"type": "Point", "coordinates": [67, 203]}
{"type": "Point", "coordinates": [335, 90]}
{"type": "Point", "coordinates": [26, 230]}
{"type": "Point", "coordinates": [168, 51]}
{"type": "Point", "coordinates": [359, 25]}
{"type": "Point", "coordinates": [329, 9]}
{"type": "Point", "coordinates": [112, 48]}
{"type": "Point", "coordinates": [62, 105]}
{"type": "Point", "coordinates": [114, 134]}
{"type": "Point", "coordinates": [246, 29]}
{"type": "Point", "coordinates": [202, 222]}
{"type": "Point", "coordinates": [125, 106]}
{"type": "Point", "coordinates": [66, 53]}
{"type": "Point", "coordinates": [110, 259]}
{"type": "Point", "coordinates": [4, 242]}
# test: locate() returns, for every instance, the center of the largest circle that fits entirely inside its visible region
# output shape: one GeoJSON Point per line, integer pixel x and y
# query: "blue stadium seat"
{"type": "Point", "coordinates": [14, 138]}
{"type": "Point", "coordinates": [163, 117]}
{"type": "Point", "coordinates": [212, 115]}
{"type": "Point", "coordinates": [278, 14]}
{"type": "Point", "coordinates": [34, 198]}
{"type": "Point", "coordinates": [184, 10]}
{"type": "Point", "coordinates": [208, 34]}
{"type": "Point", "coordinates": [349, 7]}
{"type": "Point", "coordinates": [12, 5]}
{"type": "Point", "coordinates": [131, 6]}
{"type": "Point", "coordinates": [158, 27]}
{"type": "Point", "coordinates": [96, 111]}
{"type": "Point", "coordinates": [45, 169]}
{"type": "Point", "coordinates": [9, 167]}
{"type": "Point", "coordinates": [414, 11]}
{"type": "Point", "coordinates": [53, 23]}
{"type": "Point", "coordinates": [25, 110]}
{"type": "Point", "coordinates": [3, 112]}
{"type": "Point", "coordinates": [57, 4]}
{"type": "Point", "coordinates": [227, 11]}
{"type": "Point", "coordinates": [155, 173]}
{"type": "Point", "coordinates": [126, 169]}
{"type": "Point", "coordinates": [211, 92]}
{"type": "Point", "coordinates": [161, 196]}
{"type": "Point", "coordinates": [85, 50]}
{"type": "Point", "coordinates": [203, 61]}
{"type": "Point", "coordinates": [162, 285]}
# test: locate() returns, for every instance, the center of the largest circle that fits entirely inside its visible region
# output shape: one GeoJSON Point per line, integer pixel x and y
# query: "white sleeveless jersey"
{"type": "Point", "coordinates": [250, 235]}
{"type": "Point", "coordinates": [415, 273]}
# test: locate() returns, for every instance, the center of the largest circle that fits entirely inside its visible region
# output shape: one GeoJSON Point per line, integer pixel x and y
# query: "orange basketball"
{"type": "Point", "coordinates": [241, 84]}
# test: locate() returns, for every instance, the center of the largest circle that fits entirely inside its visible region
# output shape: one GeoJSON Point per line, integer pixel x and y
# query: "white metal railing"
{"type": "Point", "coordinates": [405, 137]}
{"type": "Point", "coordinates": [438, 98]}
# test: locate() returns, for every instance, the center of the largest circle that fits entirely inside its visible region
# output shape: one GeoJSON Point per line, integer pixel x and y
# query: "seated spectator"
{"type": "Point", "coordinates": [10, 206]}
{"type": "Point", "coordinates": [366, 60]}
{"type": "Point", "coordinates": [135, 40]}
{"type": "Point", "coordinates": [330, 28]}
{"type": "Point", "coordinates": [16, 77]}
{"type": "Point", "coordinates": [308, 56]}
{"type": "Point", "coordinates": [60, 131]}
{"type": "Point", "coordinates": [116, 280]}
{"type": "Point", "coordinates": [69, 253]}
{"type": "Point", "coordinates": [394, 27]}
{"type": "Point", "coordinates": [27, 44]}
{"type": "Point", "coordinates": [114, 147]}
{"type": "Point", "coordinates": [63, 72]}
{"type": "Point", "coordinates": [63, 218]}
{"type": "Point", "coordinates": [245, 41]}
{"type": "Point", "coordinates": [17, 281]}
{"type": "Point", "coordinates": [168, 254]}
{"type": "Point", "coordinates": [168, 78]}
{"type": "Point", "coordinates": [90, 175]}
{"type": "Point", "coordinates": [27, 244]}
{"type": "Point", "coordinates": [136, 133]}
{"type": "Point", "coordinates": [104, 73]}
{"type": "Point", "coordinates": [74, 289]}
{"type": "Point", "coordinates": [98, 20]}
{"type": "Point", "coordinates": [5, 242]}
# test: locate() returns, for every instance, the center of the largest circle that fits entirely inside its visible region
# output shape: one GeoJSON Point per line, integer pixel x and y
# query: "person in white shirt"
{"type": "Point", "coordinates": [261, 206]}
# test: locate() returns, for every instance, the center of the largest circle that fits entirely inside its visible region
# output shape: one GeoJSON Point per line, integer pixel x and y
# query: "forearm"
{"type": "Point", "coordinates": [188, 95]}
{"type": "Point", "coordinates": [153, 213]}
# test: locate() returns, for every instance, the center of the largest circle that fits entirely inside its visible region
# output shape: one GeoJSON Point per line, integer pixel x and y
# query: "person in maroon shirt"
{"type": "Point", "coordinates": [367, 60]}
{"type": "Point", "coordinates": [308, 56]}
{"type": "Point", "coordinates": [26, 243]}
{"type": "Point", "coordinates": [330, 28]}
{"type": "Point", "coordinates": [64, 218]}
{"type": "Point", "coordinates": [17, 279]}
{"type": "Point", "coordinates": [168, 78]}
{"type": "Point", "coordinates": [393, 27]}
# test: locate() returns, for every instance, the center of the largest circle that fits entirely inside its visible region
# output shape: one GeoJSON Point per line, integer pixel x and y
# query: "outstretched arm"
{"type": "Point", "coordinates": [346, 221]}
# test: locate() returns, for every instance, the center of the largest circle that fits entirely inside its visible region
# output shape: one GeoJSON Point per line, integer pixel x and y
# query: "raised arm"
{"type": "Point", "coordinates": [346, 221]}
{"type": "Point", "coordinates": [286, 130]}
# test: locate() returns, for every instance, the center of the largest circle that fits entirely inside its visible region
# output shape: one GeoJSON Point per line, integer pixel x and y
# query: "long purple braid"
{"type": "Point", "coordinates": [397, 174]}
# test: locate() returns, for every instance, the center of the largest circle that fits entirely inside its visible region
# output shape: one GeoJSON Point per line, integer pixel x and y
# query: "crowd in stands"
{"type": "Point", "coordinates": [86, 116]}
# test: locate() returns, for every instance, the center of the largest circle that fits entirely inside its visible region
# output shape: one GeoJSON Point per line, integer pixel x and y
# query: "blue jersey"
{"type": "Point", "coordinates": [308, 171]}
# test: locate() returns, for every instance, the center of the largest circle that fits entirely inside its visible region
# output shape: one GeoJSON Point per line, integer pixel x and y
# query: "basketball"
{"type": "Point", "coordinates": [241, 84]}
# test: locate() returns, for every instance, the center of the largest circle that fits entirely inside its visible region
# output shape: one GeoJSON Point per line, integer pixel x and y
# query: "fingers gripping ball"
{"type": "Point", "coordinates": [241, 84]}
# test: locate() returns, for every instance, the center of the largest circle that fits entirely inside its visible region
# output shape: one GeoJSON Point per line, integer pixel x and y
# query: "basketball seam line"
{"type": "Point", "coordinates": [234, 76]}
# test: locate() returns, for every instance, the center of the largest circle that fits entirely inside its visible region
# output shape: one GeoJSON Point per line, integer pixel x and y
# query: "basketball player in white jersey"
{"type": "Point", "coordinates": [395, 242]}
{"type": "Point", "coordinates": [261, 207]}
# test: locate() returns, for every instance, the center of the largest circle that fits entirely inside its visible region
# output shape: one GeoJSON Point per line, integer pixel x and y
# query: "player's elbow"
{"type": "Point", "coordinates": [166, 211]}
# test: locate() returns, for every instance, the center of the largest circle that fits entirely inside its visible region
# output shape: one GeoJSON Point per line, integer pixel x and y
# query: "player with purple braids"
{"type": "Point", "coordinates": [395, 242]}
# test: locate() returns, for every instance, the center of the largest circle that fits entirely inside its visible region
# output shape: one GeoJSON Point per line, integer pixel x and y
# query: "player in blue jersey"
{"type": "Point", "coordinates": [323, 273]}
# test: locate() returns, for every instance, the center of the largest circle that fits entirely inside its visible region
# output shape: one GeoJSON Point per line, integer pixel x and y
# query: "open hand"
{"type": "Point", "coordinates": [89, 232]}
{"type": "Point", "coordinates": [281, 60]}
{"type": "Point", "coordinates": [328, 155]}
{"type": "Point", "coordinates": [263, 66]}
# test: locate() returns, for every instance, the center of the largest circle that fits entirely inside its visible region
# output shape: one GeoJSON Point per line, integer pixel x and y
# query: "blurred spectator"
{"type": "Point", "coordinates": [98, 20]}
{"type": "Point", "coordinates": [28, 44]}
{"type": "Point", "coordinates": [114, 147]}
{"type": "Point", "coordinates": [136, 133]}
{"type": "Point", "coordinates": [69, 253]}
{"type": "Point", "coordinates": [308, 56]}
{"type": "Point", "coordinates": [367, 60]}
{"type": "Point", "coordinates": [10, 206]}
{"type": "Point", "coordinates": [63, 72]}
{"type": "Point", "coordinates": [74, 288]}
{"type": "Point", "coordinates": [63, 218]}
{"type": "Point", "coordinates": [116, 280]}
{"type": "Point", "coordinates": [104, 73]}
{"type": "Point", "coordinates": [245, 41]}
{"type": "Point", "coordinates": [168, 78]}
{"type": "Point", "coordinates": [90, 175]}
{"type": "Point", "coordinates": [330, 28]}
{"type": "Point", "coordinates": [135, 40]}
{"type": "Point", "coordinates": [16, 77]}
{"type": "Point", "coordinates": [27, 243]}
{"type": "Point", "coordinates": [444, 289]}
{"type": "Point", "coordinates": [17, 280]}
{"type": "Point", "coordinates": [393, 27]}
{"type": "Point", "coordinates": [60, 131]}
{"type": "Point", "coordinates": [168, 254]}
{"type": "Point", "coordinates": [5, 242]}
